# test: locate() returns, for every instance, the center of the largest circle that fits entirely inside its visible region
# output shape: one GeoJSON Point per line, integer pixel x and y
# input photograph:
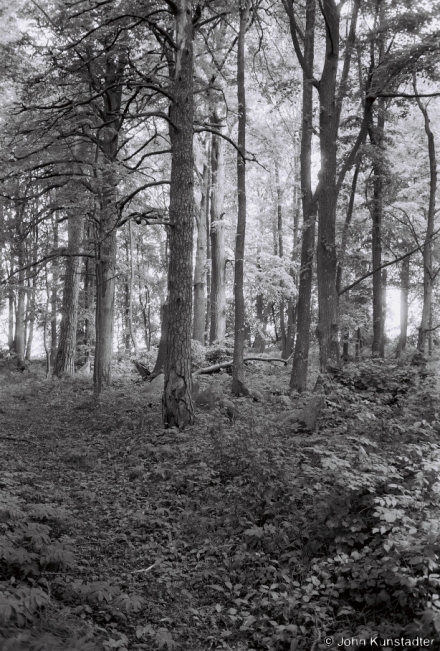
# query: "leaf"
{"type": "Point", "coordinates": [165, 639]}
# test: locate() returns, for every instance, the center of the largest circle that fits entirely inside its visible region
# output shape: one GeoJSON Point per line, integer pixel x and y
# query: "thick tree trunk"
{"type": "Point", "coordinates": [327, 330]}
{"type": "Point", "coordinates": [200, 262]}
{"type": "Point", "coordinates": [65, 359]}
{"type": "Point", "coordinates": [238, 386]}
{"type": "Point", "coordinates": [298, 379]}
{"type": "Point", "coordinates": [427, 246]}
{"type": "Point", "coordinates": [218, 295]}
{"type": "Point", "coordinates": [404, 291]}
{"type": "Point", "coordinates": [178, 410]}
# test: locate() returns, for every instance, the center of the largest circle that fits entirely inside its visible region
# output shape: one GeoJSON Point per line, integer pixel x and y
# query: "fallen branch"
{"type": "Point", "coordinates": [217, 367]}
{"type": "Point", "coordinates": [12, 438]}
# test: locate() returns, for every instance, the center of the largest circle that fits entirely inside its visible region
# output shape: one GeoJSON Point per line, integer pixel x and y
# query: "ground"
{"type": "Point", "coordinates": [245, 531]}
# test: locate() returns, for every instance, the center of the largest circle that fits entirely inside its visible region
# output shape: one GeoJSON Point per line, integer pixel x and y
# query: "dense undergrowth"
{"type": "Point", "coordinates": [240, 533]}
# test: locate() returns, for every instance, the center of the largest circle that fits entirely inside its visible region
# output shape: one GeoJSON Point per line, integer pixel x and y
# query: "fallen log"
{"type": "Point", "coordinates": [217, 367]}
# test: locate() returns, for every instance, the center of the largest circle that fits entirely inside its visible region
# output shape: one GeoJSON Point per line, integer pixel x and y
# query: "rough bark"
{"type": "Point", "coordinates": [65, 358]}
{"type": "Point", "coordinates": [218, 262]}
{"type": "Point", "coordinates": [427, 246]}
{"type": "Point", "coordinates": [298, 379]}
{"type": "Point", "coordinates": [327, 329]}
{"type": "Point", "coordinates": [200, 261]}
{"type": "Point", "coordinates": [178, 410]}
{"type": "Point", "coordinates": [238, 385]}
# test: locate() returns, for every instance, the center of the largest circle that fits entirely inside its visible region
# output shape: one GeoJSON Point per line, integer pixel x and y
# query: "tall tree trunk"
{"type": "Point", "coordinates": [178, 410]}
{"type": "Point", "coordinates": [131, 291]}
{"type": "Point", "coordinates": [218, 295]}
{"type": "Point", "coordinates": [298, 379]}
{"type": "Point", "coordinates": [21, 299]}
{"type": "Point", "coordinates": [238, 386]}
{"type": "Point", "coordinates": [327, 330]}
{"type": "Point", "coordinates": [427, 246]}
{"type": "Point", "coordinates": [282, 307]}
{"type": "Point", "coordinates": [404, 291]}
{"type": "Point", "coordinates": [200, 262]}
{"type": "Point", "coordinates": [162, 350]}
{"type": "Point", "coordinates": [377, 139]}
{"type": "Point", "coordinates": [291, 303]}
{"type": "Point", "coordinates": [31, 303]}
{"type": "Point", "coordinates": [11, 313]}
{"type": "Point", "coordinates": [106, 235]}
{"type": "Point", "coordinates": [54, 297]}
{"type": "Point", "coordinates": [65, 358]}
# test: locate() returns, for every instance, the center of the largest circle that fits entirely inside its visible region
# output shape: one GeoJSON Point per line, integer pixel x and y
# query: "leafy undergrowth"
{"type": "Point", "coordinates": [239, 533]}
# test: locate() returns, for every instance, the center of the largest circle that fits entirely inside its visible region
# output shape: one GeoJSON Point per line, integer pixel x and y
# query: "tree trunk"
{"type": "Point", "coordinates": [21, 300]}
{"type": "Point", "coordinates": [238, 386]}
{"type": "Point", "coordinates": [178, 410]}
{"type": "Point", "coordinates": [162, 350]}
{"type": "Point", "coordinates": [106, 236]}
{"type": "Point", "coordinates": [131, 291]}
{"type": "Point", "coordinates": [327, 330]}
{"type": "Point", "coordinates": [218, 296]}
{"type": "Point", "coordinates": [404, 291]}
{"type": "Point", "coordinates": [11, 312]}
{"type": "Point", "coordinates": [377, 139]}
{"type": "Point", "coordinates": [54, 297]}
{"type": "Point", "coordinates": [65, 358]}
{"type": "Point", "coordinates": [200, 262]}
{"type": "Point", "coordinates": [427, 246]}
{"type": "Point", "coordinates": [298, 379]}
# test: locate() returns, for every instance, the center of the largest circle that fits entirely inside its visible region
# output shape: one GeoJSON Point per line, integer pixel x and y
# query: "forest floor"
{"type": "Point", "coordinates": [245, 531]}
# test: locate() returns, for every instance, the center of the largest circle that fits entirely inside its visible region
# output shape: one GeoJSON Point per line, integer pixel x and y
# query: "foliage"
{"type": "Point", "coordinates": [240, 534]}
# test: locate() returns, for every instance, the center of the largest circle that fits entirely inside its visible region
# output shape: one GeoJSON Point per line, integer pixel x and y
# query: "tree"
{"type": "Point", "coordinates": [178, 410]}
{"type": "Point", "coordinates": [238, 385]}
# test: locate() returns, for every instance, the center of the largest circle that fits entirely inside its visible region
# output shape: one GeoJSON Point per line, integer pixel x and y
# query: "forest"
{"type": "Point", "coordinates": [219, 322]}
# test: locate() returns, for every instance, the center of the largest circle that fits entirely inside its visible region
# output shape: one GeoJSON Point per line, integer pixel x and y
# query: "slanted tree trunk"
{"type": "Point", "coordinates": [108, 217]}
{"type": "Point", "coordinates": [178, 410]}
{"type": "Point", "coordinates": [65, 358]}
{"type": "Point", "coordinates": [200, 262]}
{"type": "Point", "coordinates": [218, 262]}
{"type": "Point", "coordinates": [298, 378]}
{"type": "Point", "coordinates": [427, 246]}
{"type": "Point", "coordinates": [238, 385]}
{"type": "Point", "coordinates": [404, 291]}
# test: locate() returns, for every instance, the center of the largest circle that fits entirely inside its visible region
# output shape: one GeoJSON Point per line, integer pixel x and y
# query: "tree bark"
{"type": "Point", "coordinates": [65, 358]}
{"type": "Point", "coordinates": [327, 329]}
{"type": "Point", "coordinates": [54, 297]}
{"type": "Point", "coordinates": [218, 262]}
{"type": "Point", "coordinates": [106, 236]}
{"type": "Point", "coordinates": [200, 262]}
{"type": "Point", "coordinates": [131, 292]}
{"type": "Point", "coordinates": [238, 385]}
{"type": "Point", "coordinates": [377, 139]}
{"type": "Point", "coordinates": [298, 378]}
{"type": "Point", "coordinates": [178, 410]}
{"type": "Point", "coordinates": [427, 246]}
{"type": "Point", "coordinates": [21, 298]}
{"type": "Point", "coordinates": [162, 350]}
